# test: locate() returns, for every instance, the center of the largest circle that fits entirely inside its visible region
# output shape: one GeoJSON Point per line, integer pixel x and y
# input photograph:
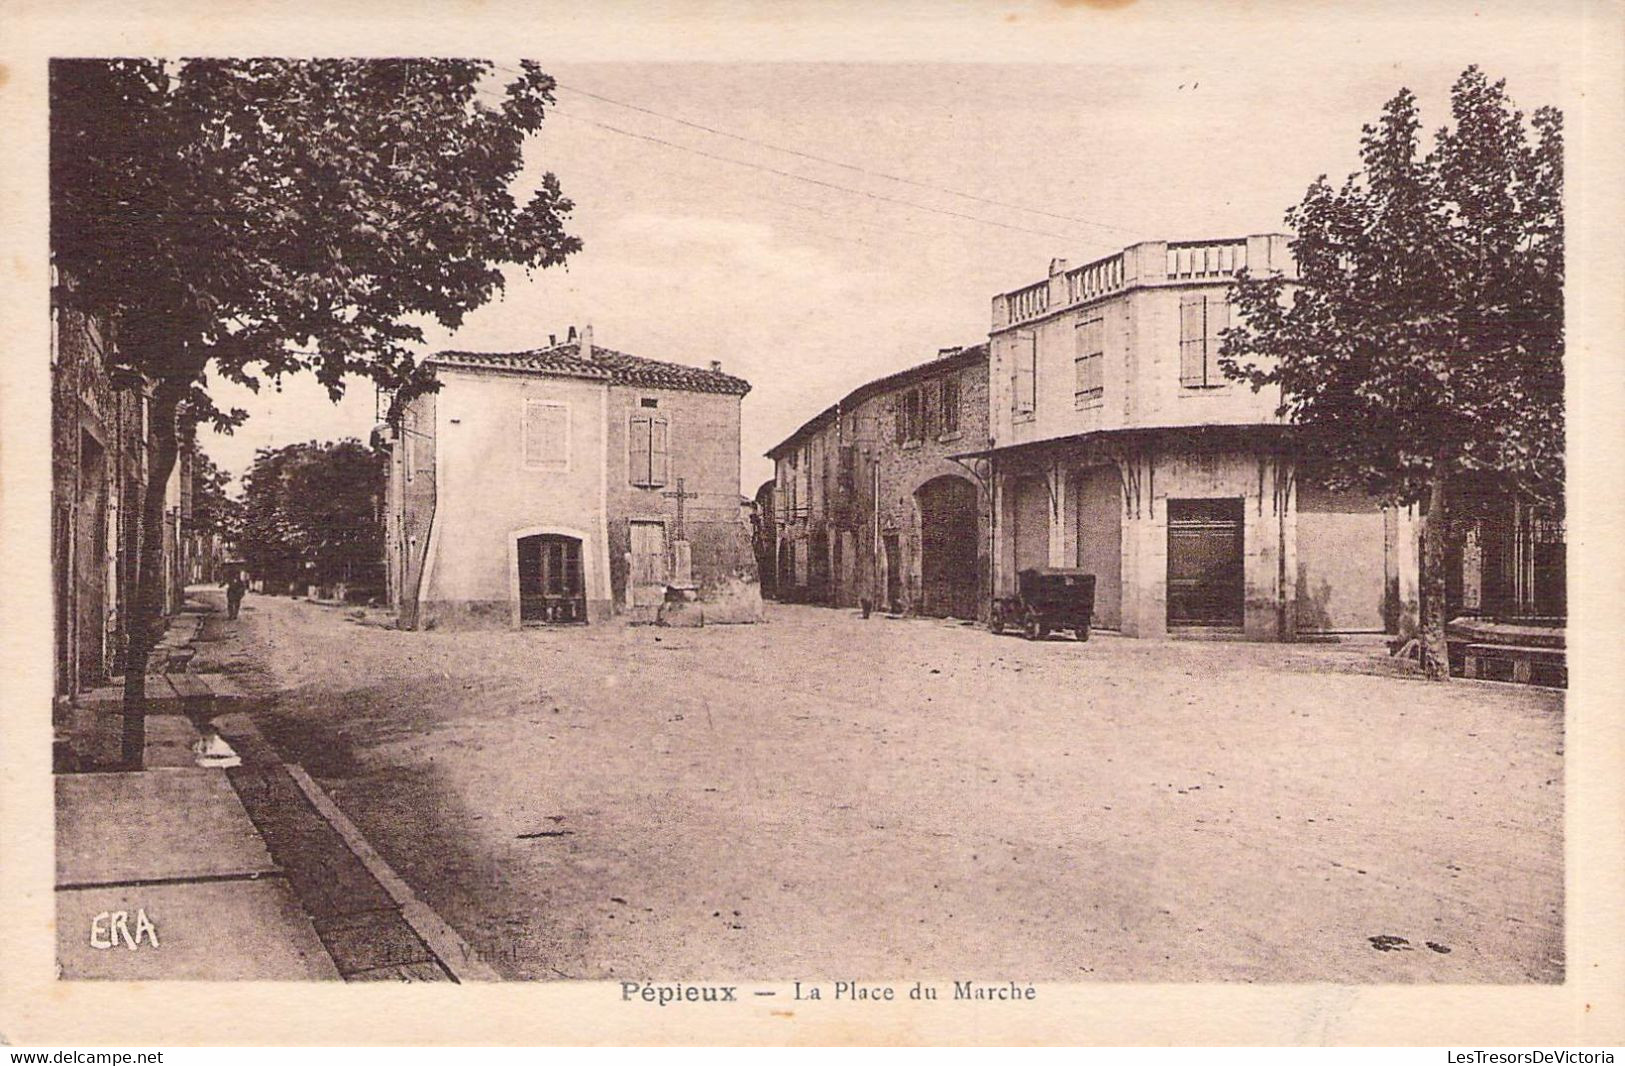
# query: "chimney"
{"type": "Point", "coordinates": [570, 338]}
{"type": "Point", "coordinates": [586, 341]}
{"type": "Point", "coordinates": [949, 353]}
{"type": "Point", "coordinates": [552, 340]}
{"type": "Point", "coordinates": [716, 366]}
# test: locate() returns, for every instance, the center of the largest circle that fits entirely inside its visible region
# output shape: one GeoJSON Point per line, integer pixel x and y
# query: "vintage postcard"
{"type": "Point", "coordinates": [1002, 522]}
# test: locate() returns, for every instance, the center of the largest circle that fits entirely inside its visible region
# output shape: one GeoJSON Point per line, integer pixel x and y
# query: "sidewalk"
{"type": "Point", "coordinates": [216, 861]}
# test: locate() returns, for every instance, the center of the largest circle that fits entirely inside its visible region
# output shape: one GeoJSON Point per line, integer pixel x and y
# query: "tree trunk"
{"type": "Point", "coordinates": [146, 624]}
{"type": "Point", "coordinates": [1435, 654]}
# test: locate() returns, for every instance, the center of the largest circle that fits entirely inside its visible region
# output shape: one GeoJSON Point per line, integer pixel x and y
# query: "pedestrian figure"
{"type": "Point", "coordinates": [234, 594]}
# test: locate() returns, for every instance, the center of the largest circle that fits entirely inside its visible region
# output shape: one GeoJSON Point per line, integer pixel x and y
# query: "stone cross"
{"type": "Point", "coordinates": [682, 559]}
{"type": "Point", "coordinates": [680, 531]}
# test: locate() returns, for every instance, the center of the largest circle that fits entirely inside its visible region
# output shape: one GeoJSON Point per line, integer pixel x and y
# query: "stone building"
{"type": "Point", "coordinates": [869, 504]}
{"type": "Point", "coordinates": [564, 484]}
{"type": "Point", "coordinates": [100, 447]}
{"type": "Point", "coordinates": [1119, 446]}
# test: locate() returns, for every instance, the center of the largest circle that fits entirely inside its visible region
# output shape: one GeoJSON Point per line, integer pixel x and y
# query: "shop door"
{"type": "Point", "coordinates": [1205, 562]}
{"type": "Point", "coordinates": [551, 588]}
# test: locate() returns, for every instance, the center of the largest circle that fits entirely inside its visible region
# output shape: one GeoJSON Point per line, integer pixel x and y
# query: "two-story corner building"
{"type": "Point", "coordinates": [1120, 446]}
{"type": "Point", "coordinates": [870, 506]}
{"type": "Point", "coordinates": [563, 484]}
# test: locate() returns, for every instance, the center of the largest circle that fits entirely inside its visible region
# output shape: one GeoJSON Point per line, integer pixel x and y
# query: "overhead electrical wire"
{"type": "Point", "coordinates": [841, 163]}
{"type": "Point", "coordinates": [828, 161]}
{"type": "Point", "coordinates": [910, 204]}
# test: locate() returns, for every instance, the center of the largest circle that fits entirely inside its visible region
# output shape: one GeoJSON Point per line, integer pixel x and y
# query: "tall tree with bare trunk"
{"type": "Point", "coordinates": [244, 219]}
{"type": "Point", "coordinates": [1422, 339]}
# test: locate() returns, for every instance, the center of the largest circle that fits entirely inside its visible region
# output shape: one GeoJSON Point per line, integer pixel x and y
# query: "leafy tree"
{"type": "Point", "coordinates": [311, 512]}
{"type": "Point", "coordinates": [213, 508]}
{"type": "Point", "coordinates": [1422, 340]}
{"type": "Point", "coordinates": [251, 218]}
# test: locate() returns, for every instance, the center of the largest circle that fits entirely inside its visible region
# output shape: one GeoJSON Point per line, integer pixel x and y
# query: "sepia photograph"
{"type": "Point", "coordinates": [803, 531]}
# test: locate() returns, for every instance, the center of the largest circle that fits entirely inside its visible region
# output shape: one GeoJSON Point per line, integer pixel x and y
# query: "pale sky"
{"type": "Point", "coordinates": [807, 290]}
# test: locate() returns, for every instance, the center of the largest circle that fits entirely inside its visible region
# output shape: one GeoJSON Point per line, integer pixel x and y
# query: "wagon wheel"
{"type": "Point", "coordinates": [1031, 628]}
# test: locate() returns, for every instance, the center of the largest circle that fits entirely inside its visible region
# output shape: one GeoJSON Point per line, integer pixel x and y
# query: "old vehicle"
{"type": "Point", "coordinates": [1049, 597]}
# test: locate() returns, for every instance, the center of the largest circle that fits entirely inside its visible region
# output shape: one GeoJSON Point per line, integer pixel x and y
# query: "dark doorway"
{"type": "Point", "coordinates": [950, 585]}
{"type": "Point", "coordinates": [551, 588]}
{"type": "Point", "coordinates": [1205, 562]}
{"type": "Point", "coordinates": [818, 566]}
{"type": "Point", "coordinates": [894, 573]}
{"type": "Point", "coordinates": [90, 567]}
{"type": "Point", "coordinates": [787, 571]}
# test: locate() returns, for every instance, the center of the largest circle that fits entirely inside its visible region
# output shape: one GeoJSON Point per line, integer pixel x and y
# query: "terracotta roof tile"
{"type": "Point", "coordinates": [605, 364]}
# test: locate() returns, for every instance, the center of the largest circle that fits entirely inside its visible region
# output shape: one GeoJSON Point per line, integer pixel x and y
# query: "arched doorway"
{"type": "Point", "coordinates": [950, 582]}
{"type": "Point", "coordinates": [551, 584]}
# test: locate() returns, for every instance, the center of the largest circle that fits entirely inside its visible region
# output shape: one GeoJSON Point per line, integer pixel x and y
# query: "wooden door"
{"type": "Point", "coordinates": [1031, 514]}
{"type": "Point", "coordinates": [649, 573]}
{"type": "Point", "coordinates": [1099, 494]}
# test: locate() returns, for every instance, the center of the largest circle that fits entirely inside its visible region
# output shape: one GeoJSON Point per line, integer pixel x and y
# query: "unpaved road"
{"type": "Point", "coordinates": [827, 797]}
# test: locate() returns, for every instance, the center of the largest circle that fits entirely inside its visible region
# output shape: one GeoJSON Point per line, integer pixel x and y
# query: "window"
{"type": "Point", "coordinates": [815, 474]}
{"type": "Point", "coordinates": [950, 404]}
{"type": "Point", "coordinates": [910, 424]}
{"type": "Point", "coordinates": [647, 450]}
{"type": "Point", "coordinates": [1090, 384]}
{"type": "Point", "coordinates": [847, 474]}
{"type": "Point", "coordinates": [1024, 375]}
{"type": "Point", "coordinates": [547, 435]}
{"type": "Point", "coordinates": [1201, 320]}
{"type": "Point", "coordinates": [787, 487]}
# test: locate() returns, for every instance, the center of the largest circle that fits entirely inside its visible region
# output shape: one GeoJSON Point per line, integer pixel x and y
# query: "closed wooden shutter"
{"type": "Point", "coordinates": [1218, 320]}
{"type": "Point", "coordinates": [637, 451]}
{"type": "Point", "coordinates": [1026, 377]}
{"type": "Point", "coordinates": [1192, 338]}
{"type": "Point", "coordinates": [659, 449]}
{"type": "Point", "coordinates": [547, 428]}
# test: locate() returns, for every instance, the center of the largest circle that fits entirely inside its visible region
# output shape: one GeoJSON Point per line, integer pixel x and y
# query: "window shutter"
{"type": "Point", "coordinates": [637, 451]}
{"type": "Point", "coordinates": [902, 420]}
{"type": "Point", "coordinates": [659, 458]}
{"type": "Point", "coordinates": [928, 415]}
{"type": "Point", "coordinates": [1192, 333]}
{"type": "Point", "coordinates": [1027, 378]}
{"type": "Point", "coordinates": [1218, 320]}
{"type": "Point", "coordinates": [546, 434]}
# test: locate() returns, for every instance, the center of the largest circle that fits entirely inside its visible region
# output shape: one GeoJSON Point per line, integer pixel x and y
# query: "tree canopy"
{"type": "Point", "coordinates": [259, 217]}
{"type": "Point", "coordinates": [269, 216]}
{"type": "Point", "coordinates": [1423, 336]}
{"type": "Point", "coordinates": [213, 508]}
{"type": "Point", "coordinates": [311, 513]}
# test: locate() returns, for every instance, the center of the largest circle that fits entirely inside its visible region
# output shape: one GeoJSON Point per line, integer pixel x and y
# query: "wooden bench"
{"type": "Point", "coordinates": [1522, 660]}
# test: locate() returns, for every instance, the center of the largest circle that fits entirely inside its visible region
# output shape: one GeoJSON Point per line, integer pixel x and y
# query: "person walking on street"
{"type": "Point", "coordinates": [234, 594]}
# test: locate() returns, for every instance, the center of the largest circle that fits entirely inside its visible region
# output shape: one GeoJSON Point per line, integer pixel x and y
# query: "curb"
{"type": "Point", "coordinates": [451, 950]}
